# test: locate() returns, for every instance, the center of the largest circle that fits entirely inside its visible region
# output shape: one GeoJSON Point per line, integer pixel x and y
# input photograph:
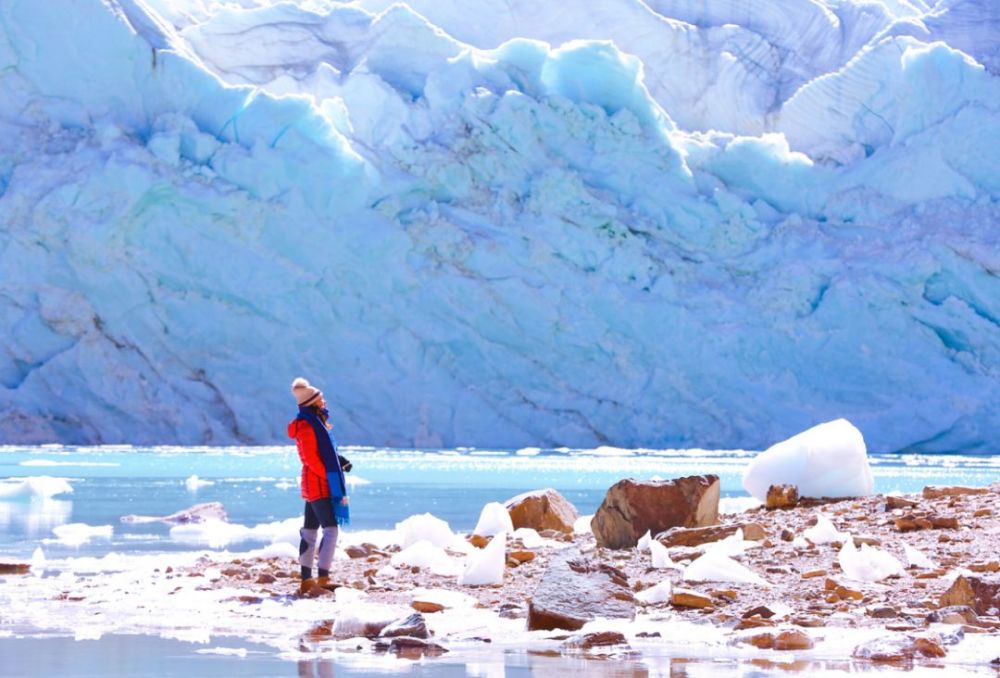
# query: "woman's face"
{"type": "Point", "coordinates": [321, 402]}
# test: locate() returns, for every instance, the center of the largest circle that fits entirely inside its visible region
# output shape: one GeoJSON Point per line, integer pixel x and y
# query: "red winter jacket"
{"type": "Point", "coordinates": [314, 484]}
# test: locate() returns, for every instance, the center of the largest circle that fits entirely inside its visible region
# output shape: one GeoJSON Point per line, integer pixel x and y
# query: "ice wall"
{"type": "Point", "coordinates": [622, 225]}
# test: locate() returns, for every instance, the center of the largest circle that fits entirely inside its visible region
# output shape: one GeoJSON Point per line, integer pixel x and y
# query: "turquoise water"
{"type": "Point", "coordinates": [259, 485]}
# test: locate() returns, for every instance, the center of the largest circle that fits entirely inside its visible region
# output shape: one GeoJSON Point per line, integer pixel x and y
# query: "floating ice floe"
{"type": "Point", "coordinates": [655, 594]}
{"type": "Point", "coordinates": [356, 481]}
{"type": "Point", "coordinates": [868, 563]}
{"type": "Point", "coordinates": [660, 558]}
{"type": "Point", "coordinates": [823, 532]}
{"type": "Point", "coordinates": [487, 566]}
{"type": "Point", "coordinates": [211, 533]}
{"type": "Point", "coordinates": [716, 566]}
{"type": "Point", "coordinates": [424, 527]}
{"type": "Point", "coordinates": [34, 487]}
{"type": "Point", "coordinates": [493, 519]}
{"type": "Point", "coordinates": [425, 555]}
{"type": "Point", "coordinates": [829, 460]}
{"type": "Point", "coordinates": [77, 534]}
{"type": "Point", "coordinates": [194, 483]}
{"type": "Point", "coordinates": [917, 558]}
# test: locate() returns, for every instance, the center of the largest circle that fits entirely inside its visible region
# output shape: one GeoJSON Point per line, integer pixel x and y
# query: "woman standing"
{"type": "Point", "coordinates": [323, 486]}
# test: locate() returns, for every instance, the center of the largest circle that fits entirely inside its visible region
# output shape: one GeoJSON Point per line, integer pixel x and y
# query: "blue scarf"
{"type": "Point", "coordinates": [327, 448]}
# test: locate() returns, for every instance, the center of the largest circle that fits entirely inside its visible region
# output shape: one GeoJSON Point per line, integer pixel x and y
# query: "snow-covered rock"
{"type": "Point", "coordinates": [658, 593]}
{"type": "Point", "coordinates": [828, 460]}
{"type": "Point", "coordinates": [524, 226]}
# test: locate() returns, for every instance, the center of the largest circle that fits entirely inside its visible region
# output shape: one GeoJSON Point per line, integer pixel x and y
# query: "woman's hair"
{"type": "Point", "coordinates": [322, 415]}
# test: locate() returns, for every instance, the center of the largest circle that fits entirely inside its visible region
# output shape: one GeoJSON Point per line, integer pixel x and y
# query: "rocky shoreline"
{"type": "Point", "coordinates": [920, 613]}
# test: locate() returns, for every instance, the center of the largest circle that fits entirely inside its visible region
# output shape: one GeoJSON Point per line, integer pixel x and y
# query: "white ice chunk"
{"type": "Point", "coordinates": [487, 566]}
{"type": "Point", "coordinates": [733, 545]}
{"type": "Point", "coordinates": [917, 558]}
{"type": "Point", "coordinates": [212, 533]}
{"type": "Point", "coordinates": [582, 524]}
{"type": "Point", "coordinates": [424, 527]}
{"type": "Point", "coordinates": [493, 519]}
{"type": "Point", "coordinates": [40, 487]}
{"type": "Point", "coordinates": [529, 537]}
{"type": "Point", "coordinates": [425, 555]}
{"type": "Point", "coordinates": [359, 618]}
{"type": "Point", "coordinates": [194, 483]}
{"type": "Point", "coordinates": [643, 545]}
{"type": "Point", "coordinates": [823, 532]}
{"type": "Point", "coordinates": [867, 564]}
{"type": "Point", "coordinates": [655, 594]}
{"type": "Point", "coordinates": [716, 566]}
{"type": "Point", "coordinates": [76, 534]}
{"type": "Point", "coordinates": [829, 460]}
{"type": "Point", "coordinates": [659, 556]}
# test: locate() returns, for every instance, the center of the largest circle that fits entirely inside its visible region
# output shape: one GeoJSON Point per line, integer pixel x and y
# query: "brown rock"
{"type": "Point", "coordinates": [696, 536]}
{"type": "Point", "coordinates": [265, 578]}
{"type": "Point", "coordinates": [781, 497]}
{"type": "Point", "coordinates": [630, 508]}
{"type": "Point", "coordinates": [753, 623]}
{"type": "Point", "coordinates": [759, 611]}
{"type": "Point", "coordinates": [598, 639]}
{"type": "Point", "coordinates": [944, 522]}
{"type": "Point", "coordinates": [980, 592]}
{"type": "Point", "coordinates": [575, 590]}
{"type": "Point", "coordinates": [522, 556]}
{"type": "Point", "coordinates": [763, 641]}
{"type": "Point", "coordinates": [814, 573]}
{"type": "Point", "coordinates": [479, 541]}
{"type": "Point", "coordinates": [992, 566]}
{"type": "Point", "coordinates": [405, 646]}
{"type": "Point", "coordinates": [982, 513]}
{"type": "Point", "coordinates": [933, 492]}
{"type": "Point", "coordinates": [860, 539]}
{"type": "Point", "coordinates": [426, 606]}
{"type": "Point", "coordinates": [792, 640]}
{"type": "Point", "coordinates": [787, 535]}
{"type": "Point", "coordinates": [413, 626]}
{"type": "Point", "coordinates": [899, 503]}
{"type": "Point", "coordinates": [354, 551]}
{"type": "Point", "coordinates": [689, 598]}
{"type": "Point", "coordinates": [929, 647]}
{"type": "Point", "coordinates": [14, 568]}
{"type": "Point", "coordinates": [542, 510]}
{"type": "Point", "coordinates": [910, 522]}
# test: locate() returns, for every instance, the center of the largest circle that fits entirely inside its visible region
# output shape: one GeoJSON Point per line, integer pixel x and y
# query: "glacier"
{"type": "Point", "coordinates": [662, 224]}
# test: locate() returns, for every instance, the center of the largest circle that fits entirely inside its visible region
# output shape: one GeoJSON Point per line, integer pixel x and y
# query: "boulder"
{"type": "Point", "coordinates": [781, 496]}
{"type": "Point", "coordinates": [631, 507]}
{"type": "Point", "coordinates": [696, 536]}
{"type": "Point", "coordinates": [980, 592]}
{"type": "Point", "coordinates": [899, 650]}
{"type": "Point", "coordinates": [575, 590]}
{"type": "Point", "coordinates": [413, 626]}
{"type": "Point", "coordinates": [542, 510]}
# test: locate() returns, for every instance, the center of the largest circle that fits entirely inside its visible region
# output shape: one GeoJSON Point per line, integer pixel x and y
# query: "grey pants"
{"type": "Point", "coordinates": [318, 513]}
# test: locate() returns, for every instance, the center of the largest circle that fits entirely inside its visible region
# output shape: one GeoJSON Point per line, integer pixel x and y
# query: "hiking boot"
{"type": "Point", "coordinates": [326, 584]}
{"type": "Point", "coordinates": [311, 588]}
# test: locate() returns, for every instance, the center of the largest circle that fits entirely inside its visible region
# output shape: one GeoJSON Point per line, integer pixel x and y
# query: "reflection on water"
{"type": "Point", "coordinates": [33, 517]}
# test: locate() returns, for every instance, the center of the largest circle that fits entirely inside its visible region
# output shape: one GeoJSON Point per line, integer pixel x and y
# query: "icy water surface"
{"type": "Point", "coordinates": [259, 486]}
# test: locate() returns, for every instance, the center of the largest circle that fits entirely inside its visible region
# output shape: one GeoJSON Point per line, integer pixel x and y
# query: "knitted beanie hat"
{"type": "Point", "coordinates": [304, 392]}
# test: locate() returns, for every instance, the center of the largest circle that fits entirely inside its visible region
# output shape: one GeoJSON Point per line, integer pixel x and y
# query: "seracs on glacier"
{"type": "Point", "coordinates": [669, 223]}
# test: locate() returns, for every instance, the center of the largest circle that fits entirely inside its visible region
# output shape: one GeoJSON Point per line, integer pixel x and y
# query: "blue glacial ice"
{"type": "Point", "coordinates": [661, 224]}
